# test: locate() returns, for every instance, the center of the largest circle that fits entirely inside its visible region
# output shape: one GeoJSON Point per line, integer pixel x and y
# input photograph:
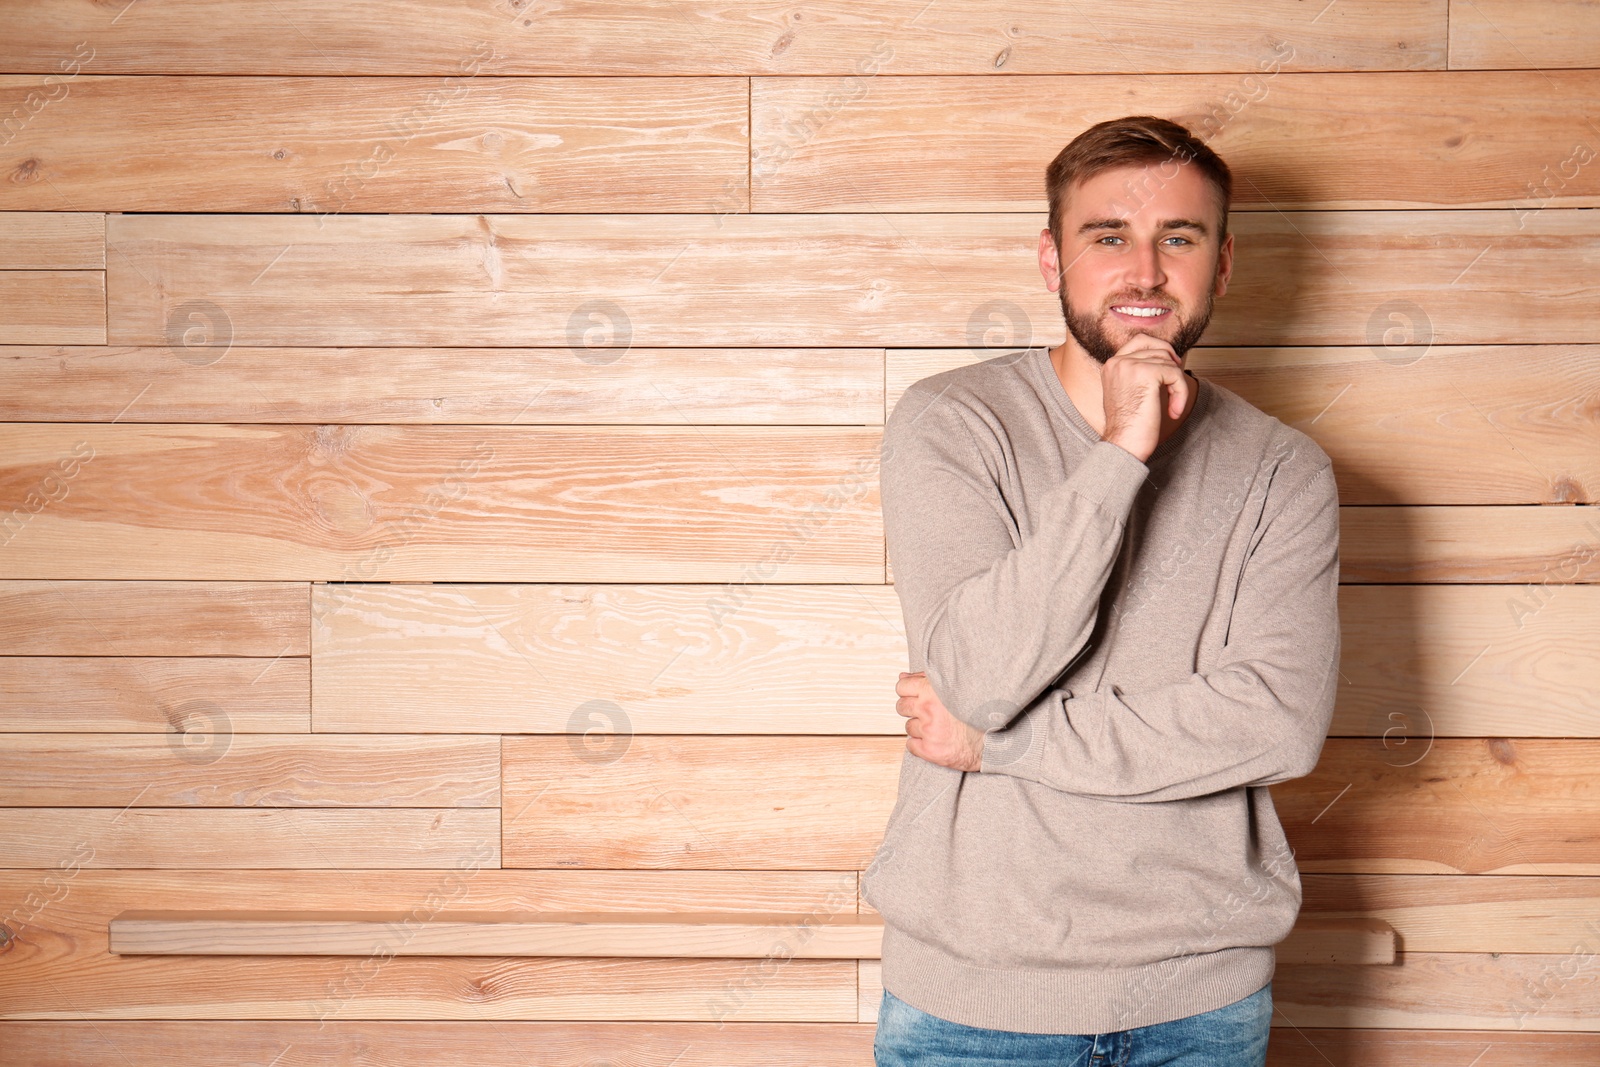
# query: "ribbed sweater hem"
{"type": "Point", "coordinates": [1089, 1000]}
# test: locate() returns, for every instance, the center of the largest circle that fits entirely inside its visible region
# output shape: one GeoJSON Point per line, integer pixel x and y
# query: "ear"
{"type": "Point", "coordinates": [1224, 265]}
{"type": "Point", "coordinates": [1049, 261]}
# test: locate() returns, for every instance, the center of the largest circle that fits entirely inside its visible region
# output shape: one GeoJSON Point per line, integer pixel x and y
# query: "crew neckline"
{"type": "Point", "coordinates": [1045, 368]}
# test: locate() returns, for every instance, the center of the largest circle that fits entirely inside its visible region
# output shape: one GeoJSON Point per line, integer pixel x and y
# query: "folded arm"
{"type": "Point", "coordinates": [1259, 717]}
{"type": "Point", "coordinates": [993, 616]}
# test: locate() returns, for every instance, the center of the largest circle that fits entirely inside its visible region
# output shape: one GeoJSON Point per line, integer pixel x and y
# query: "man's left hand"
{"type": "Point", "coordinates": [932, 733]}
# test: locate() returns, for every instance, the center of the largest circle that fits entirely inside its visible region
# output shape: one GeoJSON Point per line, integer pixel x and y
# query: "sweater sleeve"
{"type": "Point", "coordinates": [991, 616]}
{"type": "Point", "coordinates": [1258, 718]}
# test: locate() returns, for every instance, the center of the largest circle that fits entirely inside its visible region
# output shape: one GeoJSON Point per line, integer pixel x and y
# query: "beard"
{"type": "Point", "coordinates": [1094, 334]}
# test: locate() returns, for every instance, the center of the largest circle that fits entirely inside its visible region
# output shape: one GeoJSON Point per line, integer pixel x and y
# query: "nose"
{"type": "Point", "coordinates": [1145, 270]}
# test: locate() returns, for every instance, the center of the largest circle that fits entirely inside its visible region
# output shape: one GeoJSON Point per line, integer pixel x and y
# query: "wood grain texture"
{"type": "Point", "coordinates": [697, 935]}
{"type": "Point", "coordinates": [1437, 424]}
{"type": "Point", "coordinates": [60, 967]}
{"type": "Point", "coordinates": [323, 146]}
{"type": "Point", "coordinates": [1465, 913]}
{"type": "Point", "coordinates": [569, 385]}
{"type": "Point", "coordinates": [730, 504]}
{"type": "Point", "coordinates": [52, 240]}
{"type": "Point", "coordinates": [248, 770]}
{"type": "Point", "coordinates": [1508, 34]}
{"type": "Point", "coordinates": [430, 1044]}
{"type": "Point", "coordinates": [904, 280]}
{"type": "Point", "coordinates": [1455, 806]}
{"type": "Point", "coordinates": [1316, 939]}
{"type": "Point", "coordinates": [1445, 991]}
{"type": "Point", "coordinates": [1542, 548]}
{"type": "Point", "coordinates": [607, 659]}
{"type": "Point", "coordinates": [1292, 140]}
{"type": "Point", "coordinates": [756, 803]}
{"type": "Point", "coordinates": [1452, 660]}
{"type": "Point", "coordinates": [198, 700]}
{"type": "Point", "coordinates": [716, 37]}
{"type": "Point", "coordinates": [77, 618]}
{"type": "Point", "coordinates": [299, 1043]}
{"type": "Point", "coordinates": [310, 838]}
{"type": "Point", "coordinates": [52, 307]}
{"type": "Point", "coordinates": [1373, 805]}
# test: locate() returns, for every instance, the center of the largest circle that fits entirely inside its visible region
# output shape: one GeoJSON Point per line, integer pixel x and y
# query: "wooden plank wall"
{"type": "Point", "coordinates": [438, 468]}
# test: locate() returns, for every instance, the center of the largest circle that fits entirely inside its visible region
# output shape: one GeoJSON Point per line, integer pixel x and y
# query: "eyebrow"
{"type": "Point", "coordinates": [1166, 224]}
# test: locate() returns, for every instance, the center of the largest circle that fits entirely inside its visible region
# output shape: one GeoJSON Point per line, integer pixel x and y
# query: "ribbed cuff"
{"type": "Point", "coordinates": [1018, 749]}
{"type": "Point", "coordinates": [1109, 477]}
{"type": "Point", "coordinates": [1071, 1000]}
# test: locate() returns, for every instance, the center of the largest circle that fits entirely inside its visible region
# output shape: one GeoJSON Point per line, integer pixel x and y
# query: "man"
{"type": "Point", "coordinates": [1119, 584]}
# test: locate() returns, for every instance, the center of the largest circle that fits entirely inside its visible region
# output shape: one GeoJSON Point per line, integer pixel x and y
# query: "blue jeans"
{"type": "Point", "coordinates": [1230, 1036]}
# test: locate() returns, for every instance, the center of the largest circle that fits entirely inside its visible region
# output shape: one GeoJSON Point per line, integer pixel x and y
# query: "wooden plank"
{"type": "Point", "coordinates": [698, 935]}
{"type": "Point", "coordinates": [1446, 991]}
{"type": "Point", "coordinates": [1373, 805]}
{"type": "Point", "coordinates": [906, 280]}
{"type": "Point", "coordinates": [1467, 913]}
{"type": "Point", "coordinates": [202, 700]}
{"type": "Point", "coordinates": [330, 145]}
{"type": "Point", "coordinates": [670, 386]}
{"type": "Point", "coordinates": [1321, 939]}
{"type": "Point", "coordinates": [1455, 805]}
{"type": "Point", "coordinates": [982, 144]}
{"type": "Point", "coordinates": [1543, 548]}
{"type": "Point", "coordinates": [59, 966]}
{"type": "Point", "coordinates": [1445, 424]}
{"type": "Point", "coordinates": [1508, 34]}
{"type": "Point", "coordinates": [1454, 412]}
{"type": "Point", "coordinates": [1316, 939]}
{"type": "Point", "coordinates": [272, 771]}
{"type": "Point", "coordinates": [1312, 1046]}
{"type": "Point", "coordinates": [712, 36]}
{"type": "Point", "coordinates": [396, 503]}
{"type": "Point", "coordinates": [52, 307]}
{"type": "Point", "coordinates": [755, 803]}
{"type": "Point", "coordinates": [74, 618]}
{"type": "Point", "coordinates": [1451, 660]}
{"type": "Point", "coordinates": [299, 1043]}
{"type": "Point", "coordinates": [52, 240]}
{"type": "Point", "coordinates": [607, 659]}
{"type": "Point", "coordinates": [314, 838]}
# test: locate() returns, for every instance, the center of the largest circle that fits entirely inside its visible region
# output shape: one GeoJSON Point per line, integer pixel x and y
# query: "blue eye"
{"type": "Point", "coordinates": [1174, 237]}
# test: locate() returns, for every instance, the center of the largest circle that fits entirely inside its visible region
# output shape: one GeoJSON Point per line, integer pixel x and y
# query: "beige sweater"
{"type": "Point", "coordinates": [1148, 646]}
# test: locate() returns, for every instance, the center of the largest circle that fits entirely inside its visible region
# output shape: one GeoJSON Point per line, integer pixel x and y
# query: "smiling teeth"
{"type": "Point", "coordinates": [1147, 313]}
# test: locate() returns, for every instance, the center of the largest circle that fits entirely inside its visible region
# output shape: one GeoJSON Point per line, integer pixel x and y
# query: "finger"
{"type": "Point", "coordinates": [1140, 342]}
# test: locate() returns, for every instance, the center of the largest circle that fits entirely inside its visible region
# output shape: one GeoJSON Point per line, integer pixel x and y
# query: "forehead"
{"type": "Point", "coordinates": [1144, 195]}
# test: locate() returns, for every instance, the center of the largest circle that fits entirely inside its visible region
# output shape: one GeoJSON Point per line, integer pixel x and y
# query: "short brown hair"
{"type": "Point", "coordinates": [1126, 142]}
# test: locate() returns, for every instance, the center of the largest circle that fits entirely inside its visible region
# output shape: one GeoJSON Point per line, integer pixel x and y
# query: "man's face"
{"type": "Point", "coordinates": [1138, 237]}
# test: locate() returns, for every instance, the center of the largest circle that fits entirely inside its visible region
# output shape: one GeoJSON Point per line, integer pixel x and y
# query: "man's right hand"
{"type": "Point", "coordinates": [1133, 383]}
